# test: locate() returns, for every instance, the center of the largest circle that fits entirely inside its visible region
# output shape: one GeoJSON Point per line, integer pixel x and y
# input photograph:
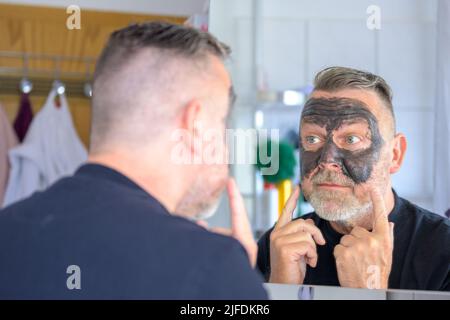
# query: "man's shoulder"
{"type": "Point", "coordinates": [425, 219]}
{"type": "Point", "coordinates": [67, 198]}
{"type": "Point", "coordinates": [199, 237]}
{"type": "Point", "coordinates": [217, 264]}
{"type": "Point", "coordinates": [428, 229]}
{"type": "Point", "coordinates": [421, 244]}
{"type": "Point", "coordinates": [134, 217]}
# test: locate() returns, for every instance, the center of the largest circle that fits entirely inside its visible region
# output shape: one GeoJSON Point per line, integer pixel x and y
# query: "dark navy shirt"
{"type": "Point", "coordinates": [421, 257]}
{"type": "Point", "coordinates": [124, 242]}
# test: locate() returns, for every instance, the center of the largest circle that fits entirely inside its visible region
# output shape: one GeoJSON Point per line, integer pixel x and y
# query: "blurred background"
{"type": "Point", "coordinates": [278, 46]}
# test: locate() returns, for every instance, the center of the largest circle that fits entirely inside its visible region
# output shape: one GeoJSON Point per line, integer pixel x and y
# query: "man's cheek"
{"type": "Point", "coordinates": [360, 166]}
{"type": "Point", "coordinates": [358, 169]}
{"type": "Point", "coordinates": [306, 188]}
{"type": "Point", "coordinates": [361, 191]}
{"type": "Point", "coordinates": [309, 163]}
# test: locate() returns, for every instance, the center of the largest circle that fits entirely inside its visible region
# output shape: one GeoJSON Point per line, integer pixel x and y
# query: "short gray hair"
{"type": "Point", "coordinates": [338, 78]}
{"type": "Point", "coordinates": [158, 46]}
{"type": "Point", "coordinates": [182, 40]}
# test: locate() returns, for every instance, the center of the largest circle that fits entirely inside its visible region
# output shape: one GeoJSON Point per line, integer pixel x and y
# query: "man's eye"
{"type": "Point", "coordinates": [312, 139]}
{"type": "Point", "coordinates": [352, 139]}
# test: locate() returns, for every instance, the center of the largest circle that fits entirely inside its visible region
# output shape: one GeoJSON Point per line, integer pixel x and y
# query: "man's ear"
{"type": "Point", "coordinates": [191, 124]}
{"type": "Point", "coordinates": [398, 152]}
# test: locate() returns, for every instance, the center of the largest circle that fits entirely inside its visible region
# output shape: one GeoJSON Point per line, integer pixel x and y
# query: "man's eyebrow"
{"type": "Point", "coordinates": [355, 120]}
{"type": "Point", "coordinates": [312, 121]}
{"type": "Point", "coordinates": [231, 102]}
{"type": "Point", "coordinates": [232, 96]}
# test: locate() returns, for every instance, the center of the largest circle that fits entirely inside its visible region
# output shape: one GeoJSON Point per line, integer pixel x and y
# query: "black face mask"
{"type": "Point", "coordinates": [331, 114]}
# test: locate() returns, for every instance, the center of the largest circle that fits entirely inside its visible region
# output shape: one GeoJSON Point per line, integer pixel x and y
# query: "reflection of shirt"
{"type": "Point", "coordinates": [126, 244]}
{"type": "Point", "coordinates": [421, 257]}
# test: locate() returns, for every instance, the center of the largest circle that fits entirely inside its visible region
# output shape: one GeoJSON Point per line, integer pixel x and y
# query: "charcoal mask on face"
{"type": "Point", "coordinates": [331, 114]}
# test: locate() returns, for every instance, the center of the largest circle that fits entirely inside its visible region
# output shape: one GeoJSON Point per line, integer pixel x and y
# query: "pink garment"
{"type": "Point", "coordinates": [8, 140]}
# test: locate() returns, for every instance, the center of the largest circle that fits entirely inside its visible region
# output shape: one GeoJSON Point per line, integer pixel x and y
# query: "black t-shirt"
{"type": "Point", "coordinates": [124, 242]}
{"type": "Point", "coordinates": [421, 257]}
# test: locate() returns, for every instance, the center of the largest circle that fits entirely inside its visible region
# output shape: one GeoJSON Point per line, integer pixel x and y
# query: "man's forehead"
{"type": "Point", "coordinates": [346, 122]}
{"type": "Point", "coordinates": [337, 111]}
{"type": "Point", "coordinates": [221, 71]}
{"type": "Point", "coordinates": [366, 98]}
{"type": "Point", "coordinates": [311, 124]}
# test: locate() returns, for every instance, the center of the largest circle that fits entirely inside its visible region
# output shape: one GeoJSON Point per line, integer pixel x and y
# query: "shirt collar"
{"type": "Point", "coordinates": [103, 172]}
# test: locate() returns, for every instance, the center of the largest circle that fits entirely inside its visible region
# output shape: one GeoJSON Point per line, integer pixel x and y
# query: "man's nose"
{"type": "Point", "coordinates": [330, 158]}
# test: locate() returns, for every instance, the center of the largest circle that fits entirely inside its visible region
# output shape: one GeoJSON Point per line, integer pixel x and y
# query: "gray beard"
{"type": "Point", "coordinates": [209, 211]}
{"type": "Point", "coordinates": [342, 209]}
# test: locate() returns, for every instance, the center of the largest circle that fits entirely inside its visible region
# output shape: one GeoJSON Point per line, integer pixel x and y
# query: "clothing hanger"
{"type": "Point", "coordinates": [88, 86]}
{"type": "Point", "coordinates": [25, 84]}
{"type": "Point", "coordinates": [58, 85]}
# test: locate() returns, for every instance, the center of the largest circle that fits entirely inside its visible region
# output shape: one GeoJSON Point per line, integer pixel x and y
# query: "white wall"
{"type": "Point", "coordinates": [164, 7]}
{"type": "Point", "coordinates": [300, 37]}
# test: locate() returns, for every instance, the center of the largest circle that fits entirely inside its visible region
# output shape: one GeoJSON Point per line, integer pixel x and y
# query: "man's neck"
{"type": "Point", "coordinates": [156, 181]}
{"type": "Point", "coordinates": [364, 221]}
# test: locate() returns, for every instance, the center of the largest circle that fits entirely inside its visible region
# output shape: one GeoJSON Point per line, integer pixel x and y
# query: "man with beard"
{"type": "Point", "coordinates": [121, 227]}
{"type": "Point", "coordinates": [362, 234]}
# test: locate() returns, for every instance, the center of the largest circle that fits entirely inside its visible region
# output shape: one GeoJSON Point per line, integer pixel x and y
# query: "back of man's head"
{"type": "Point", "coordinates": [144, 76]}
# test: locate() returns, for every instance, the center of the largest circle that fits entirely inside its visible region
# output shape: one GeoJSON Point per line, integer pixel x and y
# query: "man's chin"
{"type": "Point", "coordinates": [334, 216]}
{"type": "Point", "coordinates": [332, 211]}
{"type": "Point", "coordinates": [209, 211]}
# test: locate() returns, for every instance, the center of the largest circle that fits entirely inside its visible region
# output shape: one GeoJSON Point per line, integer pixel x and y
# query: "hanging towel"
{"type": "Point", "coordinates": [24, 117]}
{"type": "Point", "coordinates": [8, 140]}
{"type": "Point", "coordinates": [50, 151]}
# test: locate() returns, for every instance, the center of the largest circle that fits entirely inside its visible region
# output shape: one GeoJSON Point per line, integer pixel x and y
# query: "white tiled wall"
{"type": "Point", "coordinates": [300, 37]}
